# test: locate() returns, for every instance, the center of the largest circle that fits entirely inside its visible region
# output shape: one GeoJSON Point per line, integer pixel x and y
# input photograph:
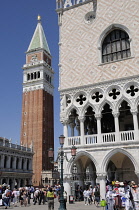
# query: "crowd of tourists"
{"type": "Point", "coordinates": [22, 196]}
{"type": "Point", "coordinates": [89, 194]}
{"type": "Point", "coordinates": [119, 195]}
{"type": "Point", "coordinates": [122, 195]}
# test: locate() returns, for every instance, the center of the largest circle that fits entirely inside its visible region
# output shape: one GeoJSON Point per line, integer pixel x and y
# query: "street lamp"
{"type": "Point", "coordinates": [61, 156]}
{"type": "Point", "coordinates": [73, 153]}
{"type": "Point", "coordinates": [51, 154]}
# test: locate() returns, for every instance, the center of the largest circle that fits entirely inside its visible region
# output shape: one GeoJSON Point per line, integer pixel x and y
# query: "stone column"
{"type": "Point", "coordinates": [8, 162]}
{"type": "Point", "coordinates": [25, 164]}
{"type": "Point", "coordinates": [20, 163]}
{"type": "Point", "coordinates": [25, 77]}
{"type": "Point", "coordinates": [13, 183]}
{"type": "Point", "coordinates": [65, 132]}
{"type": "Point", "coordinates": [101, 177]}
{"type": "Point", "coordinates": [99, 137]}
{"type": "Point", "coordinates": [67, 186]}
{"type": "Point", "coordinates": [82, 130]}
{"type": "Point", "coordinates": [116, 121]}
{"type": "Point", "coordinates": [72, 126]}
{"type": "Point", "coordinates": [93, 179]}
{"type": "Point", "coordinates": [41, 74]}
{"type": "Point", "coordinates": [30, 181]}
{"type": "Point", "coordinates": [2, 161]}
{"type": "Point", "coordinates": [24, 181]}
{"type": "Point", "coordinates": [137, 173]}
{"type": "Point", "coordinates": [30, 164]}
{"type": "Point", "coordinates": [135, 122]}
{"type": "Point", "coordinates": [7, 180]}
{"type": "Point", "coordinates": [14, 162]}
{"type": "Point", "coordinates": [78, 126]}
{"type": "Point", "coordinates": [19, 183]}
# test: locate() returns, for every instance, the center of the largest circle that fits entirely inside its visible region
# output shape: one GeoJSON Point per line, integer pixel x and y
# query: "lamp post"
{"type": "Point", "coordinates": [61, 141]}
{"type": "Point", "coordinates": [73, 154]}
{"type": "Point", "coordinates": [61, 156]}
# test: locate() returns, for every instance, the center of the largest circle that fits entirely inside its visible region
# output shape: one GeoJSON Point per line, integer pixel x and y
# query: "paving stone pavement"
{"type": "Point", "coordinates": [75, 206]}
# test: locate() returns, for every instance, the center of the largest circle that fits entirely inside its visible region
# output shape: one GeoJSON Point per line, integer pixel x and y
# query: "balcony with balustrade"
{"type": "Point", "coordinates": [106, 128]}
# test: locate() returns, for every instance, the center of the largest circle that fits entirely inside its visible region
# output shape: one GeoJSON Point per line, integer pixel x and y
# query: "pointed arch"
{"type": "Point", "coordinates": [103, 104]}
{"type": "Point", "coordinates": [113, 152]}
{"type": "Point", "coordinates": [70, 109]}
{"type": "Point", "coordinates": [86, 106]}
{"type": "Point", "coordinates": [79, 154]}
{"type": "Point", "coordinates": [107, 119]}
{"type": "Point", "coordinates": [120, 101]}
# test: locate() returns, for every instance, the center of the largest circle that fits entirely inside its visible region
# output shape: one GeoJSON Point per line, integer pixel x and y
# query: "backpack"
{"type": "Point", "coordinates": [97, 193]}
{"type": "Point", "coordinates": [8, 194]}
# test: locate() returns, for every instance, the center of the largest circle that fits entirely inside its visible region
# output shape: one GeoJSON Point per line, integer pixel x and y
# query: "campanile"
{"type": "Point", "coordinates": [37, 128]}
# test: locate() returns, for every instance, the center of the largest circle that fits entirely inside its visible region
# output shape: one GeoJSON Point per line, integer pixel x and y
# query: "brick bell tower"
{"type": "Point", "coordinates": [37, 104]}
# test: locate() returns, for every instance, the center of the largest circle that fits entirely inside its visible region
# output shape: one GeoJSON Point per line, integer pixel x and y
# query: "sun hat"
{"type": "Point", "coordinates": [121, 184]}
{"type": "Point", "coordinates": [117, 183]}
{"type": "Point", "coordinates": [132, 183]}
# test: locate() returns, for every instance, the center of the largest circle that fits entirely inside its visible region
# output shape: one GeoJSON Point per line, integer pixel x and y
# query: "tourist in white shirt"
{"type": "Point", "coordinates": [86, 194]}
{"type": "Point", "coordinates": [14, 197]}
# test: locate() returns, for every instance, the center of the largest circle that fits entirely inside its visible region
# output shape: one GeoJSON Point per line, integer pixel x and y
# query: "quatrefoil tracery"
{"type": "Point", "coordinates": [97, 96]}
{"type": "Point", "coordinates": [132, 90]}
{"type": "Point", "coordinates": [114, 93]}
{"type": "Point", "coordinates": [80, 99]}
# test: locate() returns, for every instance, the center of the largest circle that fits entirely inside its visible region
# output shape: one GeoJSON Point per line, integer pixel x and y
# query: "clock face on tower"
{"type": "Point", "coordinates": [89, 17]}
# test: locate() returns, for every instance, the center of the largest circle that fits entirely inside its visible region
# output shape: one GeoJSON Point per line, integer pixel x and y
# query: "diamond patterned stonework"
{"type": "Point", "coordinates": [80, 53]}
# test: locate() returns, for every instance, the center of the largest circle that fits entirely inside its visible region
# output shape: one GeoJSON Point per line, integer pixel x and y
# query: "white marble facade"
{"type": "Point", "coordinates": [99, 90]}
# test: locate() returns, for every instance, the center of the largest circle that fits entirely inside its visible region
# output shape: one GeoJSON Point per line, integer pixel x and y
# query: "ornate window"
{"type": "Point", "coordinates": [116, 46]}
{"type": "Point", "coordinates": [74, 172]}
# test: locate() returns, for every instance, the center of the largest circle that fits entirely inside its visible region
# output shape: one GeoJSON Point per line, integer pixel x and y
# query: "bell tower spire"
{"type": "Point", "coordinates": [37, 105]}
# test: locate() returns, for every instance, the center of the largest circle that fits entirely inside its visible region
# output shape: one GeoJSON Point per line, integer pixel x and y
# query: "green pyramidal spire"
{"type": "Point", "coordinates": [39, 39]}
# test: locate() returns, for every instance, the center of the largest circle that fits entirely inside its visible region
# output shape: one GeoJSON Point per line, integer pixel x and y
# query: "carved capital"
{"type": "Point", "coordinates": [98, 116]}
{"type": "Point", "coordinates": [65, 121]}
{"type": "Point", "coordinates": [67, 177]}
{"type": "Point", "coordinates": [115, 114]}
{"type": "Point", "coordinates": [81, 118]}
{"type": "Point", "coordinates": [134, 111]}
{"type": "Point", "coordinates": [101, 175]}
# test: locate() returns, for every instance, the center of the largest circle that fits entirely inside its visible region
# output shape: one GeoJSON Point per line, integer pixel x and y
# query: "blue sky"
{"type": "Point", "coordinates": [18, 20]}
